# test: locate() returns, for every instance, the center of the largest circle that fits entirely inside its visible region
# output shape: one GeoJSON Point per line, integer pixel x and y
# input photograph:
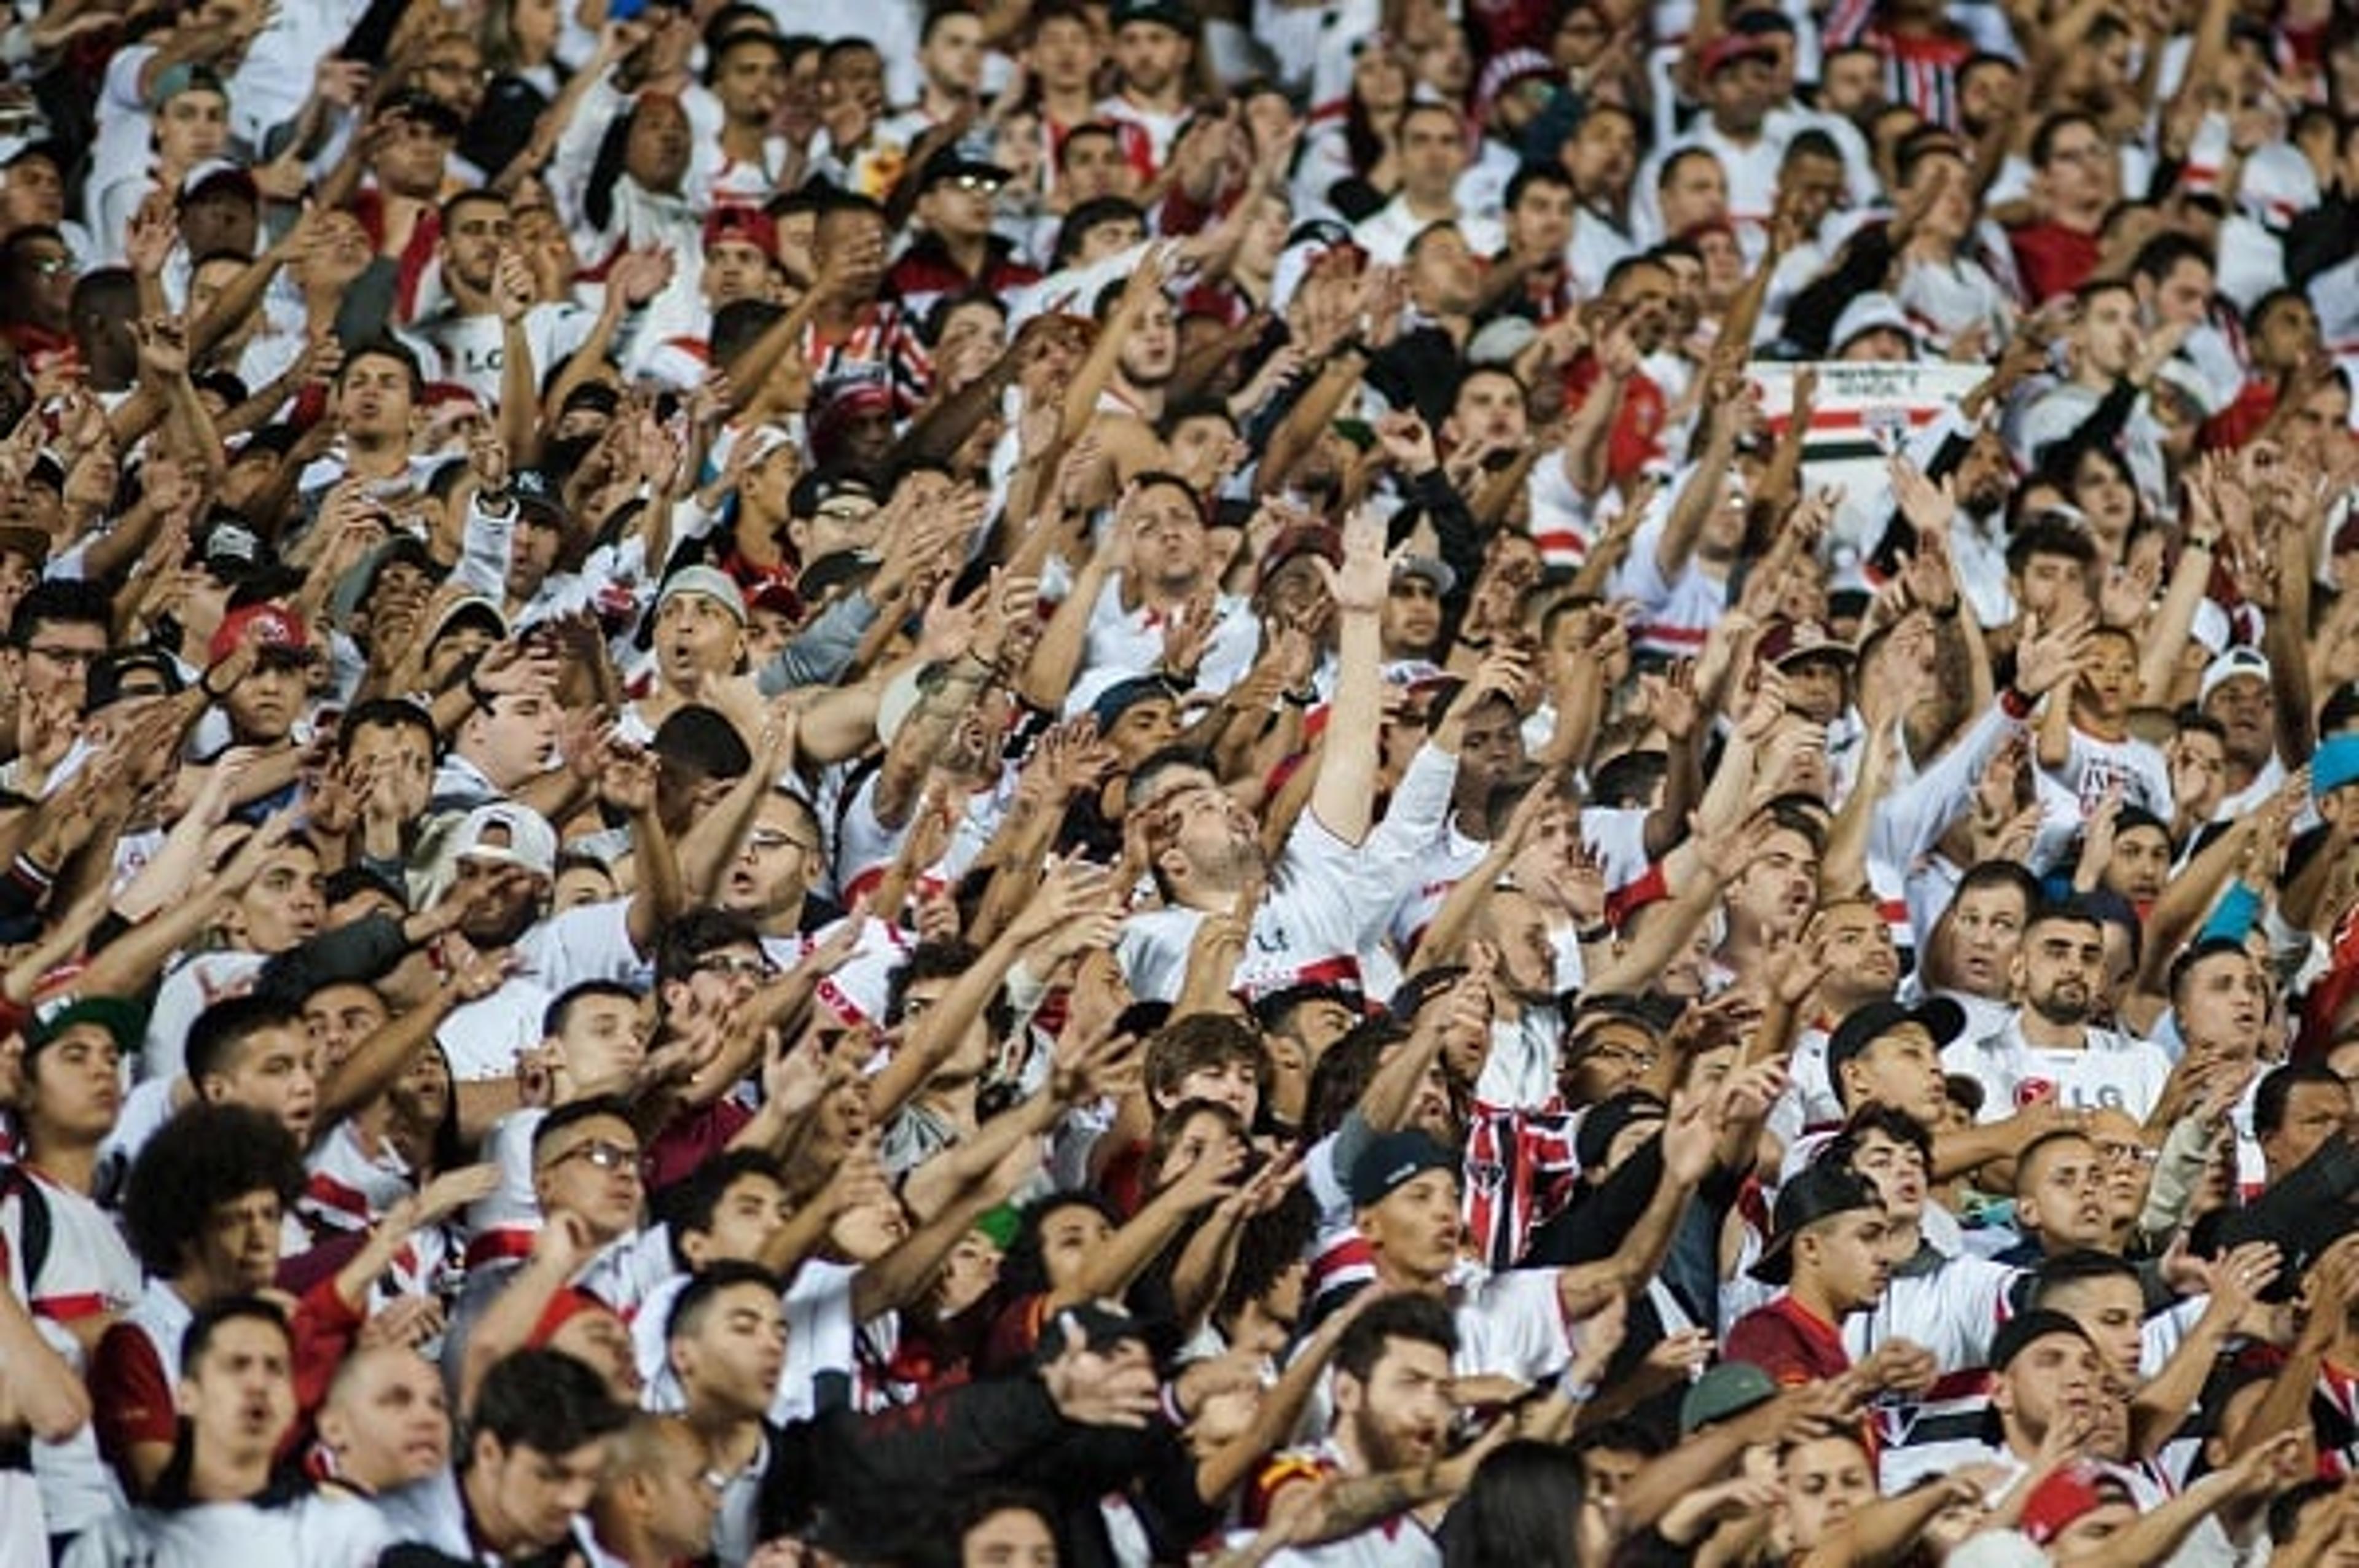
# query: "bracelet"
{"type": "Point", "coordinates": [2015, 705]}
{"type": "Point", "coordinates": [1949, 612]}
{"type": "Point", "coordinates": [1580, 1393]}
{"type": "Point", "coordinates": [1589, 937]}
{"type": "Point", "coordinates": [1301, 698]}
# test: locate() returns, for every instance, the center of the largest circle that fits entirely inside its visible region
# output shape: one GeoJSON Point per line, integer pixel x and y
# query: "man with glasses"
{"type": "Point", "coordinates": [955, 251]}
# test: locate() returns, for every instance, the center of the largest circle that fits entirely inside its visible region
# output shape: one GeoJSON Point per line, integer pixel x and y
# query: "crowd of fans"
{"type": "Point", "coordinates": [1342, 782]}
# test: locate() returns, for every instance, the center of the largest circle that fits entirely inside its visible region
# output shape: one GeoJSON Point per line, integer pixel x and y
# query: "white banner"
{"type": "Point", "coordinates": [1860, 415]}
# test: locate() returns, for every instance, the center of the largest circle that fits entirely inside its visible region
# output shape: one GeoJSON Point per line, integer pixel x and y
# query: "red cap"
{"type": "Point", "coordinates": [563, 1307]}
{"type": "Point", "coordinates": [1787, 643]}
{"type": "Point", "coordinates": [266, 625]}
{"type": "Point", "coordinates": [2079, 1488]}
{"type": "Point", "coordinates": [751, 224]}
{"type": "Point", "coordinates": [1303, 539]}
{"type": "Point", "coordinates": [1730, 47]}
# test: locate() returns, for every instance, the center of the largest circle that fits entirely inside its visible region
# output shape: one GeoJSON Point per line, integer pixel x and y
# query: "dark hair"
{"type": "Point", "coordinates": [1672, 164]}
{"type": "Point", "coordinates": [229, 1023]}
{"type": "Point", "coordinates": [2287, 1507]}
{"type": "Point", "coordinates": [2033, 1151]}
{"type": "Point", "coordinates": [1419, 1319]}
{"type": "Point", "coordinates": [559, 1013]}
{"type": "Point", "coordinates": [691, 1205]}
{"type": "Point", "coordinates": [209, 1318]}
{"type": "Point", "coordinates": [1198, 1042]}
{"type": "Point", "coordinates": [572, 1114]}
{"type": "Point", "coordinates": [2079, 911]}
{"type": "Point", "coordinates": [383, 347]}
{"type": "Point", "coordinates": [2183, 968]}
{"type": "Point", "coordinates": [1519, 1511]}
{"type": "Point", "coordinates": [2049, 535]}
{"type": "Point", "coordinates": [1876, 1117]}
{"type": "Point", "coordinates": [2068, 1268]}
{"type": "Point", "coordinates": [948, 1547]}
{"type": "Point", "coordinates": [2276, 1087]}
{"type": "Point", "coordinates": [927, 961]}
{"type": "Point", "coordinates": [545, 1401]}
{"type": "Point", "coordinates": [386, 713]}
{"type": "Point", "coordinates": [2043, 139]}
{"type": "Point", "coordinates": [1022, 1268]}
{"type": "Point", "coordinates": [687, 940]}
{"type": "Point", "coordinates": [205, 1156]}
{"type": "Point", "coordinates": [1268, 1244]}
{"type": "Point", "coordinates": [2160, 255]}
{"type": "Point", "coordinates": [688, 1309]}
{"type": "Point", "coordinates": [67, 599]}
{"type": "Point", "coordinates": [1086, 128]}
{"type": "Point", "coordinates": [1532, 174]}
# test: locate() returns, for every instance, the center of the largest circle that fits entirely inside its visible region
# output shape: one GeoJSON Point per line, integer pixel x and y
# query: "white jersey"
{"type": "Point", "coordinates": [1323, 907]}
{"type": "Point", "coordinates": [2111, 1071]}
{"type": "Point", "coordinates": [309, 1531]}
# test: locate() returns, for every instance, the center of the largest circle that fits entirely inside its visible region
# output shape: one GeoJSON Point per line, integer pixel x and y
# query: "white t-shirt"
{"type": "Point", "coordinates": [310, 1531]}
{"type": "Point", "coordinates": [2111, 1071]}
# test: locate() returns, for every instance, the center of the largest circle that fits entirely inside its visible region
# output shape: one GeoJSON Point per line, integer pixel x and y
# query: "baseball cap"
{"type": "Point", "coordinates": [1730, 47]}
{"type": "Point", "coordinates": [1609, 1118]}
{"type": "Point", "coordinates": [2333, 764]}
{"type": "Point", "coordinates": [272, 627]}
{"type": "Point", "coordinates": [535, 490]}
{"type": "Point", "coordinates": [816, 493]}
{"type": "Point", "coordinates": [1501, 339]}
{"type": "Point", "coordinates": [2021, 1331]}
{"type": "Point", "coordinates": [187, 76]}
{"type": "Point", "coordinates": [1303, 539]}
{"type": "Point", "coordinates": [1816, 1193]}
{"type": "Point", "coordinates": [751, 224]}
{"type": "Point", "coordinates": [1722, 1393]}
{"type": "Point", "coordinates": [948, 163]}
{"type": "Point", "coordinates": [108, 677]}
{"type": "Point", "coordinates": [1308, 245]}
{"type": "Point", "coordinates": [2236, 663]}
{"type": "Point", "coordinates": [712, 582]}
{"type": "Point", "coordinates": [1433, 571]}
{"type": "Point", "coordinates": [1394, 1161]}
{"type": "Point", "coordinates": [2079, 1488]}
{"type": "Point", "coordinates": [1169, 13]}
{"type": "Point", "coordinates": [218, 174]}
{"type": "Point", "coordinates": [1125, 694]}
{"type": "Point", "coordinates": [506, 834]}
{"type": "Point", "coordinates": [1939, 1016]}
{"type": "Point", "coordinates": [124, 1021]}
{"type": "Point", "coordinates": [473, 608]}
{"type": "Point", "coordinates": [1787, 643]}
{"type": "Point", "coordinates": [1868, 313]}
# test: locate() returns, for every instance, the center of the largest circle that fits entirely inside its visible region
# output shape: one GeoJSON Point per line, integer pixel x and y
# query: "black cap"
{"type": "Point", "coordinates": [1170, 14]}
{"type": "Point", "coordinates": [535, 490]}
{"type": "Point", "coordinates": [109, 674]}
{"type": "Point", "coordinates": [1394, 1161]}
{"type": "Point", "coordinates": [426, 109]}
{"type": "Point", "coordinates": [2019, 1333]}
{"type": "Point", "coordinates": [1939, 1016]}
{"type": "Point", "coordinates": [948, 163]}
{"type": "Point", "coordinates": [1816, 1193]}
{"type": "Point", "coordinates": [814, 490]}
{"type": "Point", "coordinates": [1607, 1119]}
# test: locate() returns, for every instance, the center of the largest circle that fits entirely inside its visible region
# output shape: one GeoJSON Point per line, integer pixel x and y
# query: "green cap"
{"type": "Point", "coordinates": [126, 1022]}
{"type": "Point", "coordinates": [1723, 1391]}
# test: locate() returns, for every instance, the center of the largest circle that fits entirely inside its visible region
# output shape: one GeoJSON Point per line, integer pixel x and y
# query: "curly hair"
{"type": "Point", "coordinates": [204, 1157]}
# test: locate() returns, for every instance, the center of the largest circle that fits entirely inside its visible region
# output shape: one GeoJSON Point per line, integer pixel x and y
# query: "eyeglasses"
{"type": "Point", "coordinates": [51, 266]}
{"type": "Point", "coordinates": [976, 184]}
{"type": "Point", "coordinates": [767, 838]}
{"type": "Point", "coordinates": [734, 966]}
{"type": "Point", "coordinates": [604, 1155]}
{"type": "Point", "coordinates": [2128, 1154]}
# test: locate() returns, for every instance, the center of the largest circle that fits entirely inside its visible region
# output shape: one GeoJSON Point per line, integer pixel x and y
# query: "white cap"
{"type": "Point", "coordinates": [2236, 663]}
{"type": "Point", "coordinates": [506, 834]}
{"type": "Point", "coordinates": [1868, 313]}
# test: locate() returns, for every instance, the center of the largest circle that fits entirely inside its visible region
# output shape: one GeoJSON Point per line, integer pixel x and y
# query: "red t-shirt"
{"type": "Point", "coordinates": [2052, 259]}
{"type": "Point", "coordinates": [130, 1396]}
{"type": "Point", "coordinates": [1790, 1342]}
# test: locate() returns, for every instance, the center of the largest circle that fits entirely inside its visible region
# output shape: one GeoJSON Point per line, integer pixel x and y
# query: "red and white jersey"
{"type": "Point", "coordinates": [501, 1226]}
{"type": "Point", "coordinates": [1680, 611]}
{"type": "Point", "coordinates": [1951, 1306]}
{"type": "Point", "coordinates": [1401, 1541]}
{"type": "Point", "coordinates": [347, 1189]}
{"type": "Point", "coordinates": [88, 1273]}
{"type": "Point", "coordinates": [1146, 135]}
{"type": "Point", "coordinates": [856, 993]}
{"type": "Point", "coordinates": [1325, 905]}
{"type": "Point", "coordinates": [187, 992]}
